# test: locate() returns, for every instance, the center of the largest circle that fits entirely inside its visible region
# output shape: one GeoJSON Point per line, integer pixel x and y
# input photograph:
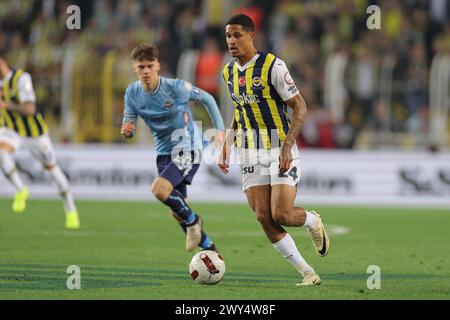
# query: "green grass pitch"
{"type": "Point", "coordinates": [135, 250]}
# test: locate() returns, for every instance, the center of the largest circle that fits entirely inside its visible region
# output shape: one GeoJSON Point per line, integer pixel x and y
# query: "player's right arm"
{"type": "Point", "coordinates": [129, 121]}
{"type": "Point", "coordinates": [225, 151]}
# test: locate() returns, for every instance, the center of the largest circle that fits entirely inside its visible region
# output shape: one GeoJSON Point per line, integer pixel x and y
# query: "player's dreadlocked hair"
{"type": "Point", "coordinates": [241, 19]}
{"type": "Point", "coordinates": [144, 52]}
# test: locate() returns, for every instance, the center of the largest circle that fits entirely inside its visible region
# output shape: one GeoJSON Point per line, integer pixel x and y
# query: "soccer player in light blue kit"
{"type": "Point", "coordinates": [163, 104]}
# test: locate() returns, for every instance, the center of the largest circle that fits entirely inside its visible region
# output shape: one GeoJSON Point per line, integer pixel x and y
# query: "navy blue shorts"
{"type": "Point", "coordinates": [179, 172]}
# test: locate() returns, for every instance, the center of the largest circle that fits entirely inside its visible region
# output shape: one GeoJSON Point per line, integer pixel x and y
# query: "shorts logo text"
{"type": "Point", "coordinates": [247, 170]}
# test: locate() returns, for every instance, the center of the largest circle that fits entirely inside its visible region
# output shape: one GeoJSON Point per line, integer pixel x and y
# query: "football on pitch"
{"type": "Point", "coordinates": [207, 267]}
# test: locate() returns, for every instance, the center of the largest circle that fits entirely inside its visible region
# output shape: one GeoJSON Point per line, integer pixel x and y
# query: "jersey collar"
{"type": "Point", "coordinates": [245, 66]}
{"type": "Point", "coordinates": [152, 93]}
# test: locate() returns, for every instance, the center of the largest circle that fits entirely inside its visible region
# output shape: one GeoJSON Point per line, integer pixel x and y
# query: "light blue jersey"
{"type": "Point", "coordinates": [167, 109]}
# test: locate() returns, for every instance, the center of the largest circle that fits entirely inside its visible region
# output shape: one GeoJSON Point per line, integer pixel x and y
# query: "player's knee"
{"type": "Point", "coordinates": [281, 215]}
{"type": "Point", "coordinates": [160, 190]}
{"type": "Point", "coordinates": [156, 189]}
{"type": "Point", "coordinates": [5, 147]}
{"type": "Point", "coordinates": [263, 216]}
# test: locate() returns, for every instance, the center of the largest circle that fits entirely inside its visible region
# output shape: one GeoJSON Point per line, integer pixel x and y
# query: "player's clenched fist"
{"type": "Point", "coordinates": [128, 129]}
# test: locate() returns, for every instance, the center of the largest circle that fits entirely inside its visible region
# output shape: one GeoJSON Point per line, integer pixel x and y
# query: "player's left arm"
{"type": "Point", "coordinates": [27, 98]}
{"type": "Point", "coordinates": [287, 90]}
{"type": "Point", "coordinates": [208, 101]}
{"type": "Point", "coordinates": [299, 111]}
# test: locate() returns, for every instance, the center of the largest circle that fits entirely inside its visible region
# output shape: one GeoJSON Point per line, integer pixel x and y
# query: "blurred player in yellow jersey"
{"type": "Point", "coordinates": [261, 89]}
{"type": "Point", "coordinates": [21, 124]}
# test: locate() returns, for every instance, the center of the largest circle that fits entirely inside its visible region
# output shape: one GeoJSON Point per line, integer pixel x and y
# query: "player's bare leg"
{"type": "Point", "coordinates": [284, 212]}
{"type": "Point", "coordinates": [60, 179]}
{"type": "Point", "coordinates": [42, 149]}
{"type": "Point", "coordinates": [8, 167]}
{"type": "Point", "coordinates": [165, 192]}
{"type": "Point", "coordinates": [259, 200]}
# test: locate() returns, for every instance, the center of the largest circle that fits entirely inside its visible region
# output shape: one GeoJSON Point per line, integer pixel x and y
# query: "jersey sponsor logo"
{"type": "Point", "coordinates": [241, 81]}
{"type": "Point", "coordinates": [288, 78]}
{"type": "Point", "coordinates": [245, 98]}
{"type": "Point", "coordinates": [168, 104]}
{"type": "Point", "coordinates": [186, 117]}
{"type": "Point", "coordinates": [292, 89]}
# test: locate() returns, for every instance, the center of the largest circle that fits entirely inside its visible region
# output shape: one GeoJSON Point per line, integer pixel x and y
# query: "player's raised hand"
{"type": "Point", "coordinates": [128, 129]}
{"type": "Point", "coordinates": [285, 158]}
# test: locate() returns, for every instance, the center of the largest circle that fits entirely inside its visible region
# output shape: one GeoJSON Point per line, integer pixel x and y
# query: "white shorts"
{"type": "Point", "coordinates": [41, 147]}
{"type": "Point", "coordinates": [261, 167]}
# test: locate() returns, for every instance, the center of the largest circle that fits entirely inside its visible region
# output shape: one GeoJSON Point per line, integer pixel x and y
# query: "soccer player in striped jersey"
{"type": "Point", "coordinates": [22, 124]}
{"type": "Point", "coordinates": [163, 104]}
{"type": "Point", "coordinates": [261, 89]}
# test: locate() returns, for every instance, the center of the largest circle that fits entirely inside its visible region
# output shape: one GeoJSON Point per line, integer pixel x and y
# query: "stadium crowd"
{"type": "Point", "coordinates": [303, 33]}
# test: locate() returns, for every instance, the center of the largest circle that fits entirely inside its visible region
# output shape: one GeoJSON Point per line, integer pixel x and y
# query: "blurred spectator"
{"type": "Point", "coordinates": [253, 9]}
{"type": "Point", "coordinates": [416, 85]}
{"type": "Point", "coordinates": [439, 11]}
{"type": "Point", "coordinates": [278, 27]}
{"type": "Point", "coordinates": [363, 80]}
{"type": "Point", "coordinates": [209, 66]}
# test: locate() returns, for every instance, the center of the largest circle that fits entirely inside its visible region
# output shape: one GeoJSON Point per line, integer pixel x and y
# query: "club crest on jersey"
{"type": "Point", "coordinates": [257, 84]}
{"type": "Point", "coordinates": [241, 81]}
{"type": "Point", "coordinates": [168, 104]}
{"type": "Point", "coordinates": [186, 117]}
